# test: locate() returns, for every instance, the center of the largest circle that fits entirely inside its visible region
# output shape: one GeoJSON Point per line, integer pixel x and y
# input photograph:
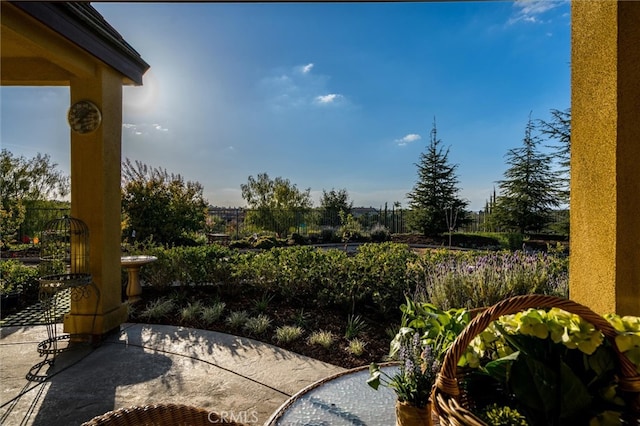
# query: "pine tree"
{"type": "Point", "coordinates": [435, 194]}
{"type": "Point", "coordinates": [530, 188]}
{"type": "Point", "coordinates": [559, 130]}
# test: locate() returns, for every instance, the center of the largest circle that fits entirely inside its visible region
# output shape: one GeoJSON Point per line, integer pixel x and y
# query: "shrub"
{"type": "Point", "coordinates": [18, 277]}
{"type": "Point", "coordinates": [237, 319]}
{"type": "Point", "coordinates": [379, 233]}
{"type": "Point", "coordinates": [379, 273]}
{"type": "Point", "coordinates": [322, 338]}
{"type": "Point", "coordinates": [257, 325]}
{"type": "Point", "coordinates": [288, 333]}
{"type": "Point", "coordinates": [158, 309]}
{"type": "Point", "coordinates": [266, 243]}
{"type": "Point", "coordinates": [329, 235]}
{"type": "Point", "coordinates": [356, 347]}
{"type": "Point", "coordinates": [191, 312]}
{"type": "Point", "coordinates": [240, 244]}
{"type": "Point", "coordinates": [261, 305]}
{"type": "Point", "coordinates": [211, 314]}
{"type": "Point", "coordinates": [210, 264]}
{"type": "Point", "coordinates": [297, 240]}
{"type": "Point", "coordinates": [351, 229]}
{"type": "Point", "coordinates": [471, 280]}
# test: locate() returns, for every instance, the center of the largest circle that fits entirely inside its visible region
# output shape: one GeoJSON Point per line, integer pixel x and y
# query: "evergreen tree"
{"type": "Point", "coordinates": [530, 188]}
{"type": "Point", "coordinates": [559, 130]}
{"type": "Point", "coordinates": [435, 194]}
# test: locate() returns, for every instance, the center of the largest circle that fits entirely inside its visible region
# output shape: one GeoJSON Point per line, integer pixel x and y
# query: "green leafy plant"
{"type": "Point", "coordinates": [554, 365]}
{"type": "Point", "coordinates": [379, 233]}
{"type": "Point", "coordinates": [355, 326]}
{"type": "Point", "coordinates": [301, 318]}
{"type": "Point", "coordinates": [237, 319]}
{"type": "Point", "coordinates": [288, 333]}
{"type": "Point", "coordinates": [191, 312]}
{"type": "Point", "coordinates": [261, 305]}
{"type": "Point", "coordinates": [628, 339]}
{"type": "Point", "coordinates": [17, 277]}
{"type": "Point", "coordinates": [322, 337]}
{"type": "Point", "coordinates": [158, 309]}
{"type": "Point", "coordinates": [257, 325]}
{"type": "Point", "coordinates": [211, 314]}
{"type": "Point", "coordinates": [417, 372]}
{"type": "Point", "coordinates": [437, 327]}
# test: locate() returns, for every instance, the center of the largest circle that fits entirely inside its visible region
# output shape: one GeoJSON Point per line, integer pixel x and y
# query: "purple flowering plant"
{"type": "Point", "coordinates": [416, 373]}
{"type": "Point", "coordinates": [425, 334]}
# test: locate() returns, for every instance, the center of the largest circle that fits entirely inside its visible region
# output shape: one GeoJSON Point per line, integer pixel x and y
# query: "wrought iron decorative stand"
{"type": "Point", "coordinates": [64, 263]}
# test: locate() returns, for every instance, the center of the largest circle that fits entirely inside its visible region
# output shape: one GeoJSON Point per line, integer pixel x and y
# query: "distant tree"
{"type": "Point", "coordinates": [31, 179]}
{"type": "Point", "coordinates": [334, 202]}
{"type": "Point", "coordinates": [435, 194]}
{"type": "Point", "coordinates": [276, 203]}
{"type": "Point", "coordinates": [23, 182]}
{"type": "Point", "coordinates": [161, 205]}
{"type": "Point", "coordinates": [529, 190]}
{"type": "Point", "coordinates": [558, 129]}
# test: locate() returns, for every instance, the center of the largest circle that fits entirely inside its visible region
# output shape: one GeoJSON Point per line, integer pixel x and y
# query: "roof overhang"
{"type": "Point", "coordinates": [52, 43]}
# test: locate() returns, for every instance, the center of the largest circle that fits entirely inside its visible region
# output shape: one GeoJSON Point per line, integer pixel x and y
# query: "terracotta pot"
{"type": "Point", "coordinates": [409, 415]}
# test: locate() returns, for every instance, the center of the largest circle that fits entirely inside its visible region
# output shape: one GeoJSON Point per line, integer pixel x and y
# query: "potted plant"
{"type": "Point", "coordinates": [541, 360]}
{"type": "Point", "coordinates": [413, 382]}
{"type": "Point", "coordinates": [425, 334]}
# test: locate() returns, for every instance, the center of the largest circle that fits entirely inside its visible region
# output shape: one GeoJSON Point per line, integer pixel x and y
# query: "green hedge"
{"type": "Point", "coordinates": [378, 275]}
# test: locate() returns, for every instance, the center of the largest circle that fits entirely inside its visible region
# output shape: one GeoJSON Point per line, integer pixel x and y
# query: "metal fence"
{"type": "Point", "coordinates": [240, 222]}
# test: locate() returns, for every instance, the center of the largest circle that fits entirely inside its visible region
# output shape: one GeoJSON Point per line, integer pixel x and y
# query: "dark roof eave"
{"type": "Point", "coordinates": [84, 26]}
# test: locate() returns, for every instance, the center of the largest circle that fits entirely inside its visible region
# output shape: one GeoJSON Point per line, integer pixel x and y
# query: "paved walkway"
{"type": "Point", "coordinates": [144, 364]}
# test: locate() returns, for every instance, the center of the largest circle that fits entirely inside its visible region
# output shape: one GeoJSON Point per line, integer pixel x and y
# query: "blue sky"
{"type": "Point", "coordinates": [327, 95]}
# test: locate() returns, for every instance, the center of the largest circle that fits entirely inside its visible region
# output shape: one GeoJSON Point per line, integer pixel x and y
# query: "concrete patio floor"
{"type": "Point", "coordinates": [148, 364]}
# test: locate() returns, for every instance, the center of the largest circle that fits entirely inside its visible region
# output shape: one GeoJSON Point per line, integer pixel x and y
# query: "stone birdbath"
{"type": "Point", "coordinates": [132, 265]}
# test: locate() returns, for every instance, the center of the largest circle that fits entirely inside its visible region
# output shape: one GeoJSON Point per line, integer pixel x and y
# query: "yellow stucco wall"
{"type": "Point", "coordinates": [95, 199]}
{"type": "Point", "coordinates": [605, 156]}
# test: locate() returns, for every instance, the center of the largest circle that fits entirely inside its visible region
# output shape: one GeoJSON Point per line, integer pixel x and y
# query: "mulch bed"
{"type": "Point", "coordinates": [283, 313]}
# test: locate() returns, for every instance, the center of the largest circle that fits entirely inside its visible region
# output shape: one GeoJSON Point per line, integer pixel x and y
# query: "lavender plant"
{"type": "Point", "coordinates": [416, 375]}
{"type": "Point", "coordinates": [471, 280]}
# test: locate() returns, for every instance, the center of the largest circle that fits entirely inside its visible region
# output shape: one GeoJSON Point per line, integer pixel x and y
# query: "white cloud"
{"type": "Point", "coordinates": [407, 139]}
{"type": "Point", "coordinates": [298, 87]}
{"type": "Point", "coordinates": [328, 99]}
{"type": "Point", "coordinates": [532, 10]}
{"type": "Point", "coordinates": [143, 128]}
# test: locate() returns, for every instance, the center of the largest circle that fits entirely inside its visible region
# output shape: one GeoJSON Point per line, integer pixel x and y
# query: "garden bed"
{"type": "Point", "coordinates": [374, 335]}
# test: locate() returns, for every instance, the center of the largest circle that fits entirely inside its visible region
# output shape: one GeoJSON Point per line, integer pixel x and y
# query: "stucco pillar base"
{"type": "Point", "coordinates": [95, 325]}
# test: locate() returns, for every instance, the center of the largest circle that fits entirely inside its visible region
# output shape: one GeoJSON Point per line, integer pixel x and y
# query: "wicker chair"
{"type": "Point", "coordinates": [159, 415]}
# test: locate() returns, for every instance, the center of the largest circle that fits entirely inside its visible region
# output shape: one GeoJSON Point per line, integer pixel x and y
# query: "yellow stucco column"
{"type": "Point", "coordinates": [605, 156]}
{"type": "Point", "coordinates": [95, 199]}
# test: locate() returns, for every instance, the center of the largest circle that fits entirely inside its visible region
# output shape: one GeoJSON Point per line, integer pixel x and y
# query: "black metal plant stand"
{"type": "Point", "coordinates": [64, 263]}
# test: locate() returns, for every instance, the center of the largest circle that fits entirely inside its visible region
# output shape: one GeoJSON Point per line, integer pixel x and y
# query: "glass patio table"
{"type": "Point", "coordinates": [342, 399]}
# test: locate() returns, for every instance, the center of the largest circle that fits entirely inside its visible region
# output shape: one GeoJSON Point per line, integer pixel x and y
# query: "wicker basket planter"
{"type": "Point", "coordinates": [452, 407]}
